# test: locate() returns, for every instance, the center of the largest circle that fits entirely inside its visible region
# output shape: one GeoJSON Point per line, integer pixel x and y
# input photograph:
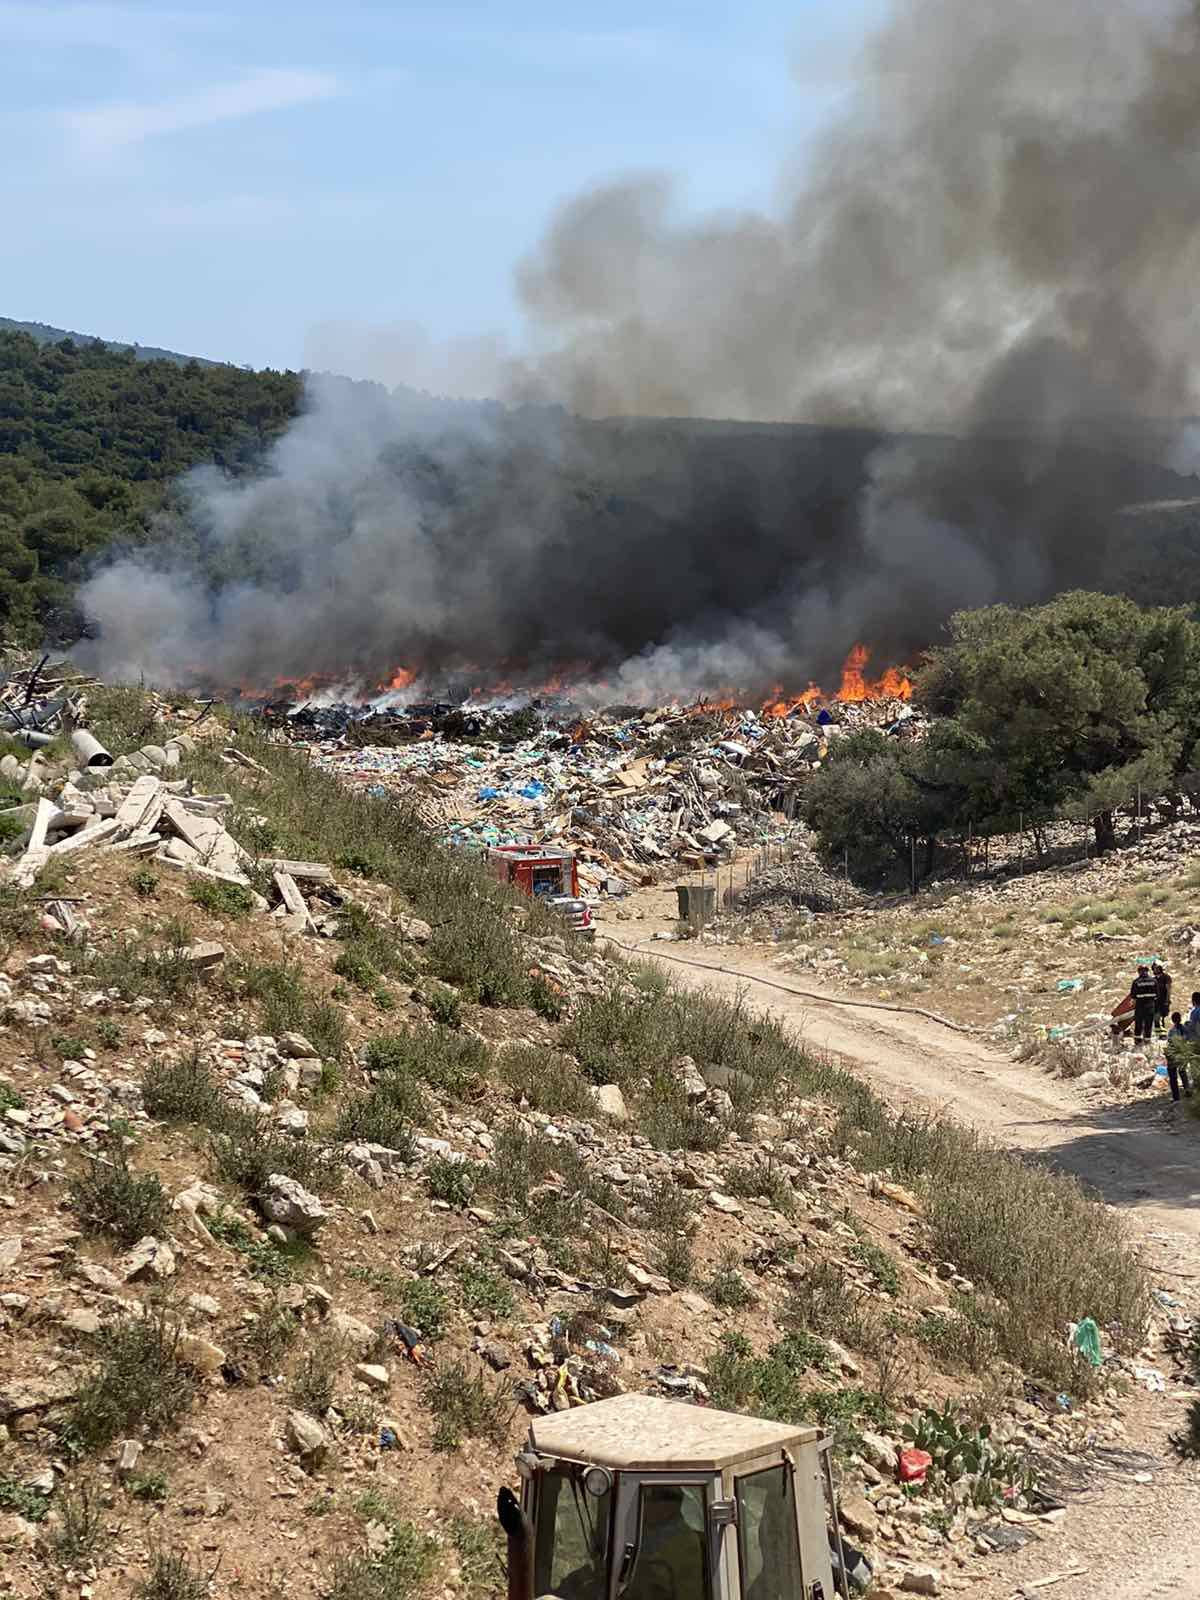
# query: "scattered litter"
{"type": "Point", "coordinates": [913, 1465]}
{"type": "Point", "coordinates": [1085, 1337]}
{"type": "Point", "coordinates": [1069, 985]}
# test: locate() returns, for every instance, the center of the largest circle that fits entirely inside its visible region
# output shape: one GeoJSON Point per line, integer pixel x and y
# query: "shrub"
{"type": "Point", "coordinates": [108, 1032]}
{"type": "Point", "coordinates": [108, 1198]}
{"type": "Point", "coordinates": [10, 1100]}
{"type": "Point", "coordinates": [546, 1080]}
{"type": "Point", "coordinates": [484, 1293]}
{"type": "Point", "coordinates": [451, 1181]}
{"type": "Point", "coordinates": [183, 1091]}
{"type": "Point", "coordinates": [545, 998]}
{"type": "Point", "coordinates": [314, 1381]}
{"type": "Point", "coordinates": [145, 966]}
{"type": "Point", "coordinates": [249, 1147]}
{"type": "Point", "coordinates": [445, 1006]}
{"type": "Point", "coordinates": [760, 1179]}
{"type": "Point", "coordinates": [141, 1382]}
{"type": "Point", "coordinates": [476, 950]}
{"type": "Point", "coordinates": [353, 965]}
{"type": "Point", "coordinates": [424, 1306]}
{"type": "Point", "coordinates": [145, 882]}
{"type": "Point", "coordinates": [173, 1576]}
{"type": "Point", "coordinates": [726, 1287]}
{"type": "Point", "coordinates": [69, 1046]}
{"type": "Point", "coordinates": [400, 1571]}
{"type": "Point", "coordinates": [81, 1530]}
{"type": "Point", "coordinates": [220, 898]}
{"type": "Point", "coordinates": [467, 1406]}
{"type": "Point", "coordinates": [287, 1006]}
{"type": "Point", "coordinates": [383, 1115]}
{"type": "Point", "coordinates": [676, 1260]}
{"type": "Point", "coordinates": [818, 1301]}
{"type": "Point", "coordinates": [436, 1056]}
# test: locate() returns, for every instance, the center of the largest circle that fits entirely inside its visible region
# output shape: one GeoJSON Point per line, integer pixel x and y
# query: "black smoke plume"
{"type": "Point", "coordinates": [954, 353]}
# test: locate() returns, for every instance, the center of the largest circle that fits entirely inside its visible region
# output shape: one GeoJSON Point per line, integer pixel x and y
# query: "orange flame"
{"type": "Point", "coordinates": [856, 686]}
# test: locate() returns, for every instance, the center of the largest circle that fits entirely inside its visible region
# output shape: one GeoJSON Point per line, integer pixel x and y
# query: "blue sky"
{"type": "Point", "coordinates": [227, 179]}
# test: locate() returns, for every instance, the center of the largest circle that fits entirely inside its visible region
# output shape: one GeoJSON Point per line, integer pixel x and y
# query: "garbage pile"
{"type": "Point", "coordinates": [634, 793]}
{"type": "Point", "coordinates": [800, 882]}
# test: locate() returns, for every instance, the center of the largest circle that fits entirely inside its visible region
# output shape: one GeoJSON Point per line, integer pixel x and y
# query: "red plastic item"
{"type": "Point", "coordinates": [914, 1464]}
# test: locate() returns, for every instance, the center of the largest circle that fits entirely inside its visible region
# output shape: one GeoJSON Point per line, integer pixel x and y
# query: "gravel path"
{"type": "Point", "coordinates": [1121, 1540]}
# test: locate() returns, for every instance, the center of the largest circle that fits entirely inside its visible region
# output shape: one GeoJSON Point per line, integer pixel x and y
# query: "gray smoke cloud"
{"type": "Point", "coordinates": [980, 281]}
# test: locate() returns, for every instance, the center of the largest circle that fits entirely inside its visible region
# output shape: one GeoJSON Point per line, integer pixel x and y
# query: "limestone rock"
{"type": "Point", "coordinates": [150, 1259]}
{"type": "Point", "coordinates": [306, 1436]}
{"type": "Point", "coordinates": [610, 1101]}
{"type": "Point", "coordinates": [374, 1376]}
{"type": "Point", "coordinates": [296, 1047]}
{"type": "Point", "coordinates": [291, 1206]}
{"type": "Point", "coordinates": [921, 1580]}
{"type": "Point", "coordinates": [859, 1516]}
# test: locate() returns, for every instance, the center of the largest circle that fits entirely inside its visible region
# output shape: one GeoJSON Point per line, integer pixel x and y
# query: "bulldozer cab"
{"type": "Point", "coordinates": [637, 1498]}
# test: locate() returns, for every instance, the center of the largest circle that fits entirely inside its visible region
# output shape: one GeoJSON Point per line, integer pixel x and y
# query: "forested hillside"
{"type": "Point", "coordinates": [46, 333]}
{"type": "Point", "coordinates": [90, 440]}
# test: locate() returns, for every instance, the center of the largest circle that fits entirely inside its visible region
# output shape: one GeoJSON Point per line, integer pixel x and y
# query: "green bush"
{"type": "Point", "coordinates": [400, 1571]}
{"type": "Point", "coordinates": [108, 1198]}
{"type": "Point", "coordinates": [546, 1080]}
{"type": "Point", "coordinates": [183, 1091]}
{"type": "Point", "coordinates": [173, 1576]}
{"type": "Point", "coordinates": [142, 1382]}
{"type": "Point", "coordinates": [249, 1147]}
{"type": "Point", "coordinates": [220, 898]}
{"type": "Point", "coordinates": [314, 1381]}
{"type": "Point", "coordinates": [467, 1406]}
{"type": "Point", "coordinates": [451, 1181]}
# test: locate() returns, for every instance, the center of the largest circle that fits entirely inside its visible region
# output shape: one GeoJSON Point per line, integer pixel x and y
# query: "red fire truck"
{"type": "Point", "coordinates": [544, 874]}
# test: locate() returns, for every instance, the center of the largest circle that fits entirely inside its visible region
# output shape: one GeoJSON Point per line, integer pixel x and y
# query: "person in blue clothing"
{"type": "Point", "coordinates": [1177, 1052]}
{"type": "Point", "coordinates": [1192, 1025]}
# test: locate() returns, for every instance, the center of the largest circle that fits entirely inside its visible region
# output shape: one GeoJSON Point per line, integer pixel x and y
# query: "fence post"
{"type": "Point", "coordinates": [1021, 846]}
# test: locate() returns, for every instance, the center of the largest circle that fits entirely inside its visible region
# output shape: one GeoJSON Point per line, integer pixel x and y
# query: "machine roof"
{"type": "Point", "coordinates": [640, 1432]}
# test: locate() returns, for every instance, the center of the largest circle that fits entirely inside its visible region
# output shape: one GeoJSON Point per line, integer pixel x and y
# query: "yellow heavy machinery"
{"type": "Point", "coordinates": [637, 1498]}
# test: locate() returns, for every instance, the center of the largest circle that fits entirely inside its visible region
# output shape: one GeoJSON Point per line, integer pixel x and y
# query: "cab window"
{"type": "Point", "coordinates": [570, 1558]}
{"type": "Point", "coordinates": [671, 1562]}
{"type": "Point", "coordinates": [768, 1544]}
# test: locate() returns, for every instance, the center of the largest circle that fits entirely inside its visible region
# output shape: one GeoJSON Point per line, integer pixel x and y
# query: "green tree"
{"type": "Point", "coordinates": [1077, 702]}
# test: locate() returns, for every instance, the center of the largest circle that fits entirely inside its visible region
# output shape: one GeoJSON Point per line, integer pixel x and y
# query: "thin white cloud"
{"type": "Point", "coordinates": [100, 130]}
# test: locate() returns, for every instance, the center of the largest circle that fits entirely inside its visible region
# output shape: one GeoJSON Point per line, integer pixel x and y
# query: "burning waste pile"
{"type": "Point", "coordinates": [635, 793]}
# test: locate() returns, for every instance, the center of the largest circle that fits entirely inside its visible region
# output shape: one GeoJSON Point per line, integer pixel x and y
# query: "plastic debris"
{"type": "Point", "coordinates": [1085, 1337]}
{"type": "Point", "coordinates": [913, 1465]}
{"type": "Point", "coordinates": [1069, 985]}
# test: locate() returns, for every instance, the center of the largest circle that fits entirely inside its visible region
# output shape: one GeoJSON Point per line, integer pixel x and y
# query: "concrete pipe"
{"type": "Point", "coordinates": [32, 739]}
{"type": "Point", "coordinates": [89, 750]}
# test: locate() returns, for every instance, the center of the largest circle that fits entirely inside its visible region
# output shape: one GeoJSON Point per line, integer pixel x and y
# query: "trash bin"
{"type": "Point", "coordinates": [696, 902]}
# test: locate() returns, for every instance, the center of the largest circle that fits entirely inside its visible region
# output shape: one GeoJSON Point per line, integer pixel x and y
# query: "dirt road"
{"type": "Point", "coordinates": [1130, 1541]}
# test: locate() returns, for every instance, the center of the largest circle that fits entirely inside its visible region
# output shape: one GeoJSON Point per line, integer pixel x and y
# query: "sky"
{"type": "Point", "coordinates": [299, 182]}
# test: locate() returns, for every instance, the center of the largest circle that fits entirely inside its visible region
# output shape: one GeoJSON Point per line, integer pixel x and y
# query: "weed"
{"type": "Point", "coordinates": [400, 1571]}
{"type": "Point", "coordinates": [151, 1486]}
{"type": "Point", "coordinates": [141, 1382]}
{"type": "Point", "coordinates": [727, 1288]}
{"type": "Point", "coordinates": [26, 1502]}
{"type": "Point", "coordinates": [142, 965]}
{"type": "Point", "coordinates": [959, 1340]}
{"type": "Point", "coordinates": [545, 1080]}
{"type": "Point", "coordinates": [69, 1046]}
{"type": "Point", "coordinates": [183, 1091]}
{"type": "Point", "coordinates": [545, 998]}
{"type": "Point", "coordinates": [484, 1293]}
{"type": "Point", "coordinates": [249, 1147]}
{"type": "Point", "coordinates": [108, 1032]}
{"type": "Point", "coordinates": [10, 1100]}
{"type": "Point", "coordinates": [445, 1006]}
{"type": "Point", "coordinates": [81, 1529]}
{"type": "Point", "coordinates": [352, 965]}
{"type": "Point", "coordinates": [878, 1263]}
{"type": "Point", "coordinates": [221, 899]}
{"type": "Point", "coordinates": [479, 955]}
{"type": "Point", "coordinates": [108, 1198]}
{"type": "Point", "coordinates": [315, 1378]}
{"type": "Point", "coordinates": [359, 1416]}
{"type": "Point", "coordinates": [384, 999]}
{"type": "Point", "coordinates": [122, 716]}
{"type": "Point", "coordinates": [467, 1406]}
{"type": "Point", "coordinates": [145, 882]}
{"type": "Point", "coordinates": [424, 1306]}
{"type": "Point", "coordinates": [173, 1576]}
{"type": "Point", "coordinates": [480, 1550]}
{"type": "Point", "coordinates": [450, 1180]}
{"type": "Point", "coordinates": [761, 1180]}
{"type": "Point", "coordinates": [271, 1335]}
{"type": "Point", "coordinates": [669, 1208]}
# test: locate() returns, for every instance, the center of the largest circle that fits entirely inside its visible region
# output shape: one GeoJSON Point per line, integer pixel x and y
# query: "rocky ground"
{"type": "Point", "coordinates": [295, 1232]}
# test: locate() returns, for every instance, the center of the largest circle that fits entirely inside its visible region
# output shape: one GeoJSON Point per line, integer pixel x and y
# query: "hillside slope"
{"type": "Point", "coordinates": [45, 334]}
{"type": "Point", "coordinates": [561, 1176]}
